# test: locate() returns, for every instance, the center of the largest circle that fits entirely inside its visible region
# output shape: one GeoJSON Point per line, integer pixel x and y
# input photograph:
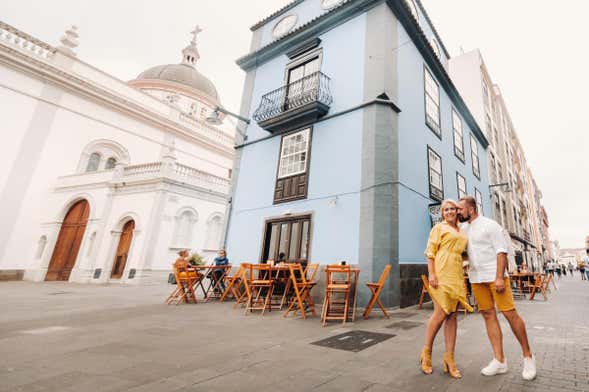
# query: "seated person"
{"type": "Point", "coordinates": [183, 267]}
{"type": "Point", "coordinates": [220, 260]}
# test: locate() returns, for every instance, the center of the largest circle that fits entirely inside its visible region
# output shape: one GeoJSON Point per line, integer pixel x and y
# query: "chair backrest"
{"type": "Point", "coordinates": [260, 272]}
{"type": "Point", "coordinates": [338, 274]}
{"type": "Point", "coordinates": [311, 271]}
{"type": "Point", "coordinates": [297, 274]}
{"type": "Point", "coordinates": [384, 275]}
{"type": "Point", "coordinates": [425, 282]}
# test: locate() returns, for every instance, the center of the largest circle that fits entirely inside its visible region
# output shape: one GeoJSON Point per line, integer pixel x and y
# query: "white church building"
{"type": "Point", "coordinates": [101, 179]}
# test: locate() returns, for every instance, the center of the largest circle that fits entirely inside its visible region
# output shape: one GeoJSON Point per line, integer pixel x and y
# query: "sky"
{"type": "Point", "coordinates": [535, 50]}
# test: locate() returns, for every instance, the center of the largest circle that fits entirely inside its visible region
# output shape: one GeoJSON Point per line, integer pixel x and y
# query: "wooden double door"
{"type": "Point", "coordinates": [123, 248]}
{"type": "Point", "coordinates": [68, 242]}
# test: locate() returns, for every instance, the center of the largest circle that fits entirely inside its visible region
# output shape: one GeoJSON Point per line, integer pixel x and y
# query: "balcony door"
{"type": "Point", "coordinates": [287, 240]}
{"type": "Point", "coordinates": [302, 81]}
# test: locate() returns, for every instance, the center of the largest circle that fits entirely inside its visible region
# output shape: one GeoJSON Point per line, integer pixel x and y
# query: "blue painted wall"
{"type": "Point", "coordinates": [414, 137]}
{"type": "Point", "coordinates": [335, 159]}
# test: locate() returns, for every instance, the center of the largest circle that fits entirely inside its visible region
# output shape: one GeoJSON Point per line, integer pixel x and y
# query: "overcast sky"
{"type": "Point", "coordinates": [536, 50]}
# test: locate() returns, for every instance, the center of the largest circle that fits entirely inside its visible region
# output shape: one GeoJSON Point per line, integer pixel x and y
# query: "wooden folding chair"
{"type": "Point", "coordinates": [184, 291]}
{"type": "Point", "coordinates": [302, 292]}
{"type": "Point", "coordinates": [338, 282]}
{"type": "Point", "coordinates": [376, 288]}
{"type": "Point", "coordinates": [539, 285]}
{"type": "Point", "coordinates": [424, 290]}
{"type": "Point", "coordinates": [242, 283]}
{"type": "Point", "coordinates": [259, 280]}
{"type": "Point", "coordinates": [232, 283]}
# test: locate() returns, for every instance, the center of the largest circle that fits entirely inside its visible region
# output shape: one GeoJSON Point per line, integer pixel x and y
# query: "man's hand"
{"type": "Point", "coordinates": [499, 285]}
{"type": "Point", "coordinates": [433, 280]}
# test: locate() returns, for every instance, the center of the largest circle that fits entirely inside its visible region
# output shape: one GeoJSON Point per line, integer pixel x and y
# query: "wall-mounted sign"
{"type": "Point", "coordinates": [435, 213]}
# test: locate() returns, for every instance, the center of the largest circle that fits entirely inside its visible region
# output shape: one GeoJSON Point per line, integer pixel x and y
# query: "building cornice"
{"type": "Point", "coordinates": [49, 73]}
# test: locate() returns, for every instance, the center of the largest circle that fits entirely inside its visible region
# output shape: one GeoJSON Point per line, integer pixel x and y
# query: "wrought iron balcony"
{"type": "Point", "coordinates": [297, 104]}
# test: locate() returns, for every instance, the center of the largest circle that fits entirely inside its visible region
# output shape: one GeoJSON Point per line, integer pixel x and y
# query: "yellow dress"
{"type": "Point", "coordinates": [445, 246]}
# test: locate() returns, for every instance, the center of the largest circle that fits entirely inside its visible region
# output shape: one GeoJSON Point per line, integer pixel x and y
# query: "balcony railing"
{"type": "Point", "coordinates": [298, 103]}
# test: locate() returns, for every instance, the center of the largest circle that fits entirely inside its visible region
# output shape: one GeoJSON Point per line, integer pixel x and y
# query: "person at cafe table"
{"type": "Point", "coordinates": [220, 260]}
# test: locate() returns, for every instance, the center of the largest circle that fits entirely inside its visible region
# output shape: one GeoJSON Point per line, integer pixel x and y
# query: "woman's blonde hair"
{"type": "Point", "coordinates": [444, 202]}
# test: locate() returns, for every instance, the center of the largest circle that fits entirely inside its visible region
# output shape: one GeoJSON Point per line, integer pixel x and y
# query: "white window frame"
{"type": "Point", "coordinates": [458, 135]}
{"type": "Point", "coordinates": [479, 199]}
{"type": "Point", "coordinates": [474, 156]}
{"type": "Point", "coordinates": [288, 156]}
{"type": "Point", "coordinates": [461, 191]}
{"type": "Point", "coordinates": [432, 172]}
{"type": "Point", "coordinates": [432, 98]}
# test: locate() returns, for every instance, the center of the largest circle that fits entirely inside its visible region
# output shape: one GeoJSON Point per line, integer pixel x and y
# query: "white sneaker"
{"type": "Point", "coordinates": [495, 367]}
{"type": "Point", "coordinates": [529, 372]}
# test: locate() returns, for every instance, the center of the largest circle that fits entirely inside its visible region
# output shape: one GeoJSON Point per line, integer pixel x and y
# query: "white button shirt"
{"type": "Point", "coordinates": [485, 242]}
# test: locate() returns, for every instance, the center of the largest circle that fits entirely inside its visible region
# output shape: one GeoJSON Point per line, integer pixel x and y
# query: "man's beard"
{"type": "Point", "coordinates": [463, 218]}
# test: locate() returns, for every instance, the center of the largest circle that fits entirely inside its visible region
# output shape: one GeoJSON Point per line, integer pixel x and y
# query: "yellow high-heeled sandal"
{"type": "Point", "coordinates": [425, 361]}
{"type": "Point", "coordinates": [450, 366]}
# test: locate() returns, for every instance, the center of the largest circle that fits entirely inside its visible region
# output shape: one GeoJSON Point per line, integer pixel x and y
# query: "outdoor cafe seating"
{"type": "Point", "coordinates": [285, 286]}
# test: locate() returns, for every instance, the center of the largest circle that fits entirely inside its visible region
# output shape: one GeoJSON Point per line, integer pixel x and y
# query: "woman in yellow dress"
{"type": "Point", "coordinates": [446, 286]}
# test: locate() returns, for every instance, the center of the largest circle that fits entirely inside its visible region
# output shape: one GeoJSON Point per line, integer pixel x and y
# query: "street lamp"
{"type": "Point", "coordinates": [215, 119]}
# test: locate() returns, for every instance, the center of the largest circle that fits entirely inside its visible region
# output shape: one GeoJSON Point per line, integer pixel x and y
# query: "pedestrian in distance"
{"type": "Point", "coordinates": [551, 268]}
{"type": "Point", "coordinates": [445, 246]}
{"type": "Point", "coordinates": [487, 253]}
{"type": "Point", "coordinates": [558, 270]}
{"type": "Point", "coordinates": [581, 267]}
{"type": "Point", "coordinates": [586, 263]}
{"type": "Point", "coordinates": [571, 269]}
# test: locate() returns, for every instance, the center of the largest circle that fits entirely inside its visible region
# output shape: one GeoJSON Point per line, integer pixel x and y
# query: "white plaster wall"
{"type": "Point", "coordinates": [175, 202]}
{"type": "Point", "coordinates": [465, 71]}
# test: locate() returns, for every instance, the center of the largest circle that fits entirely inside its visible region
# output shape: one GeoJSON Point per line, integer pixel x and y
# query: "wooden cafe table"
{"type": "Point", "coordinates": [206, 271]}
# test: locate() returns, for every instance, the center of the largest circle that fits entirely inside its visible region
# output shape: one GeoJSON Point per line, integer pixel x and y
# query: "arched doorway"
{"type": "Point", "coordinates": [123, 250]}
{"type": "Point", "coordinates": [68, 242]}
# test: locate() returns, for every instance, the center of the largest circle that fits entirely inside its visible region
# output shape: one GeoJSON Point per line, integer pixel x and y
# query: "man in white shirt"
{"type": "Point", "coordinates": [487, 253]}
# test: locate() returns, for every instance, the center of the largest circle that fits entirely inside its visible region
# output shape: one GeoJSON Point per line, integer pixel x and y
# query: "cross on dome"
{"type": "Point", "coordinates": [190, 53]}
{"type": "Point", "coordinates": [194, 33]}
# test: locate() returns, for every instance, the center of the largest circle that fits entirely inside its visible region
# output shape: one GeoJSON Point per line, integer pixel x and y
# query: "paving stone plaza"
{"type": "Point", "coordinates": [70, 337]}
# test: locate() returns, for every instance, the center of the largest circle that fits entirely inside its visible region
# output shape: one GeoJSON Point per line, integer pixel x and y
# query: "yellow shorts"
{"type": "Point", "coordinates": [487, 297]}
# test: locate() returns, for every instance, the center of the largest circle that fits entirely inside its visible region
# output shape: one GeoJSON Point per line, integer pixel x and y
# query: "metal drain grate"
{"type": "Point", "coordinates": [404, 325]}
{"type": "Point", "coordinates": [354, 340]}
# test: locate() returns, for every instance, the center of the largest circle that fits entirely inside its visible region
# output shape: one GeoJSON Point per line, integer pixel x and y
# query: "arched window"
{"type": "Point", "coordinates": [95, 154]}
{"type": "Point", "coordinates": [435, 47]}
{"type": "Point", "coordinates": [93, 162]}
{"type": "Point", "coordinates": [41, 247]}
{"type": "Point", "coordinates": [110, 163]}
{"type": "Point", "coordinates": [183, 231]}
{"type": "Point", "coordinates": [413, 9]}
{"type": "Point", "coordinates": [214, 229]}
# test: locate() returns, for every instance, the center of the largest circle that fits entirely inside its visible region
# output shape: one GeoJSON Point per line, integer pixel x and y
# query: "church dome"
{"type": "Point", "coordinates": [184, 74]}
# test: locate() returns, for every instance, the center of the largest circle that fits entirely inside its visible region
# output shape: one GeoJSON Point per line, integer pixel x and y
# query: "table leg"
{"type": "Point", "coordinates": [355, 295]}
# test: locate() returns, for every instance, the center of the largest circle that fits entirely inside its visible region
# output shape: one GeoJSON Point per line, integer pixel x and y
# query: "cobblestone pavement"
{"type": "Point", "coordinates": [70, 337]}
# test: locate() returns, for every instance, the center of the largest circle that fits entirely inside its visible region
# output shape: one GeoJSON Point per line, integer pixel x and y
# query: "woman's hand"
{"type": "Point", "coordinates": [433, 280]}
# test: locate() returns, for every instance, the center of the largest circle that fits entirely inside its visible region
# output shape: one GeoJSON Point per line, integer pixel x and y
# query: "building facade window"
{"type": "Point", "coordinates": [287, 240]}
{"type": "Point", "coordinates": [474, 155]}
{"type": "Point", "coordinates": [302, 78]}
{"type": "Point", "coordinates": [293, 165]}
{"type": "Point", "coordinates": [183, 231]}
{"type": "Point", "coordinates": [436, 181]}
{"type": "Point", "coordinates": [432, 103]}
{"type": "Point", "coordinates": [479, 198]}
{"type": "Point", "coordinates": [461, 185]}
{"type": "Point", "coordinates": [214, 229]}
{"type": "Point", "coordinates": [93, 162]}
{"type": "Point", "coordinates": [110, 163]}
{"type": "Point", "coordinates": [458, 135]}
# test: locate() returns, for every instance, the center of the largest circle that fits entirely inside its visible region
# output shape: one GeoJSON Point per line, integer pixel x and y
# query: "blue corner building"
{"type": "Point", "coordinates": [356, 131]}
